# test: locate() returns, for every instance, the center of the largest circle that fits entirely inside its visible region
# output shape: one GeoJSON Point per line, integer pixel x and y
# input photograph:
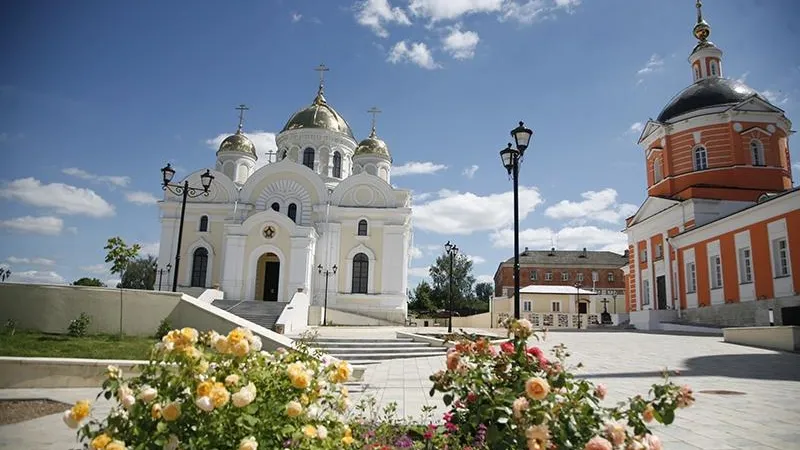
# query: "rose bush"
{"type": "Point", "coordinates": [223, 392]}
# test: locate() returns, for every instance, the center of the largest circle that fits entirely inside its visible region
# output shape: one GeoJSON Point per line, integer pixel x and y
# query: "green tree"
{"type": "Point", "coordinates": [484, 291]}
{"type": "Point", "coordinates": [422, 298]}
{"type": "Point", "coordinates": [119, 254]}
{"type": "Point", "coordinates": [86, 281]}
{"type": "Point", "coordinates": [462, 279]}
{"type": "Point", "coordinates": [140, 274]}
{"type": "Point", "coordinates": [5, 273]}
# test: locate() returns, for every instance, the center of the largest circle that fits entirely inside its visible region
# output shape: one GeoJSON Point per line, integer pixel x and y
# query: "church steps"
{"type": "Point", "coordinates": [379, 350]}
{"type": "Point", "coordinates": [365, 352]}
{"type": "Point", "coordinates": [262, 313]}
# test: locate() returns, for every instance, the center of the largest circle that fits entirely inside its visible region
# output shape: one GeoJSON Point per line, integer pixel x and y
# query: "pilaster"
{"type": "Point", "coordinates": [233, 266]}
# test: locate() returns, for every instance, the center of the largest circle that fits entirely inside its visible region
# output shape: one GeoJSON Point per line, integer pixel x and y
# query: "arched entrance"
{"type": "Point", "coordinates": [268, 275]}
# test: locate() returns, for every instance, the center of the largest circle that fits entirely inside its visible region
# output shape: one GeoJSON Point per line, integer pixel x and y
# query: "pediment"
{"type": "Point", "coordinates": [755, 130]}
{"type": "Point", "coordinates": [653, 150]}
{"type": "Point", "coordinates": [651, 207]}
{"type": "Point", "coordinates": [649, 128]}
{"type": "Point", "coordinates": [363, 191]}
{"type": "Point", "coordinates": [756, 103]}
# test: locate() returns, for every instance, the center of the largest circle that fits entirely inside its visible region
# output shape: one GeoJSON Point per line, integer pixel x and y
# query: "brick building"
{"type": "Point", "coordinates": [718, 238]}
{"type": "Point", "coordinates": [597, 270]}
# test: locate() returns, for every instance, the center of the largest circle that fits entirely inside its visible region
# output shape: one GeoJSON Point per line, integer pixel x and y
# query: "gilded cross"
{"type": "Point", "coordinates": [242, 109]}
{"type": "Point", "coordinates": [322, 69]}
{"type": "Point", "coordinates": [374, 111]}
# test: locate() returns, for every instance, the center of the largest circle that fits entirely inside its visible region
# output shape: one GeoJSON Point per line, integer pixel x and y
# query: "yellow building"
{"type": "Point", "coordinates": [550, 306]}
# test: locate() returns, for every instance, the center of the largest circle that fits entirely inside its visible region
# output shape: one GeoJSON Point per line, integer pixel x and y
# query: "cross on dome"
{"type": "Point", "coordinates": [242, 108]}
{"type": "Point", "coordinates": [374, 111]}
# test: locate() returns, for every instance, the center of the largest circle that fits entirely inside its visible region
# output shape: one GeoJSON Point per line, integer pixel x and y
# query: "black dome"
{"type": "Point", "coordinates": [705, 93]}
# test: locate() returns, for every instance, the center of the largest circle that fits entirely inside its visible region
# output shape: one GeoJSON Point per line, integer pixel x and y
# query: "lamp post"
{"type": "Point", "coordinates": [451, 250]}
{"type": "Point", "coordinates": [512, 158]}
{"type": "Point", "coordinates": [578, 302]}
{"type": "Point", "coordinates": [185, 191]}
{"type": "Point", "coordinates": [161, 273]}
{"type": "Point", "coordinates": [327, 273]}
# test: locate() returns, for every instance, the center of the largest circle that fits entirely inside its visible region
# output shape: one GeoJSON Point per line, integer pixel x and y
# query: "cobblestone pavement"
{"type": "Point", "coordinates": [764, 416]}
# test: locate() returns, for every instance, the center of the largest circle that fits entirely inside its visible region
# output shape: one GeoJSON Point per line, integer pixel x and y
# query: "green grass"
{"type": "Point", "coordinates": [62, 346]}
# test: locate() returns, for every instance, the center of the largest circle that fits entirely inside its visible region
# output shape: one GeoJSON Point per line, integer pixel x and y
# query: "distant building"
{"type": "Point", "coordinates": [551, 306]}
{"type": "Point", "coordinates": [718, 238]}
{"type": "Point", "coordinates": [598, 271]}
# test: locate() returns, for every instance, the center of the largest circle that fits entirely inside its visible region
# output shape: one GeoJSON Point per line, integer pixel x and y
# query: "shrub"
{"type": "Point", "coordinates": [164, 327]}
{"type": "Point", "coordinates": [80, 325]}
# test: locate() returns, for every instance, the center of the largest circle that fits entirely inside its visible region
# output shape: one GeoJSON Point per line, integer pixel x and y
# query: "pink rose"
{"type": "Point", "coordinates": [600, 391]}
{"type": "Point", "coordinates": [598, 443]}
{"type": "Point", "coordinates": [653, 442]}
{"type": "Point", "coordinates": [507, 347]}
{"type": "Point", "coordinates": [453, 360]}
{"type": "Point", "coordinates": [616, 432]}
{"type": "Point", "coordinates": [535, 351]}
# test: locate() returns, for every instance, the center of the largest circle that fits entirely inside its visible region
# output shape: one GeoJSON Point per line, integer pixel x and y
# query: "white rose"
{"type": "Point", "coordinates": [255, 344]}
{"type": "Point", "coordinates": [124, 391]}
{"type": "Point", "coordinates": [205, 404]}
{"type": "Point", "coordinates": [314, 412]}
{"type": "Point", "coordinates": [69, 420]}
{"type": "Point", "coordinates": [128, 401]}
{"type": "Point", "coordinates": [172, 443]}
{"type": "Point", "coordinates": [248, 443]}
{"type": "Point", "coordinates": [322, 432]}
{"type": "Point", "coordinates": [243, 398]}
{"type": "Point", "coordinates": [148, 394]}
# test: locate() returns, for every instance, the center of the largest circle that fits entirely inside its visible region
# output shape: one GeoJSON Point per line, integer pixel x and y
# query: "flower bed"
{"type": "Point", "coordinates": [222, 392]}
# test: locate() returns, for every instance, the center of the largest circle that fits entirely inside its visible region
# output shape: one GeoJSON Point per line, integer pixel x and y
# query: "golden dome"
{"type": "Point", "coordinates": [319, 115]}
{"type": "Point", "coordinates": [373, 146]}
{"type": "Point", "coordinates": [237, 143]}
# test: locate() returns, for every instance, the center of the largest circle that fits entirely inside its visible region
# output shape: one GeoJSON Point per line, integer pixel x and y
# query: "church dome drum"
{"type": "Point", "coordinates": [319, 115]}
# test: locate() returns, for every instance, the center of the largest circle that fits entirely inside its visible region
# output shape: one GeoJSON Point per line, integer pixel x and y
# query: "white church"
{"type": "Point", "coordinates": [323, 203]}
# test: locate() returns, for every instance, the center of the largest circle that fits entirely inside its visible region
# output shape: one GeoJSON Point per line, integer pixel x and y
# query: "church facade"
{"type": "Point", "coordinates": [718, 238]}
{"type": "Point", "coordinates": [321, 210]}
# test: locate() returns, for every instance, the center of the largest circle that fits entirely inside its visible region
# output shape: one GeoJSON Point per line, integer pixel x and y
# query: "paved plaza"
{"type": "Point", "coordinates": [765, 415]}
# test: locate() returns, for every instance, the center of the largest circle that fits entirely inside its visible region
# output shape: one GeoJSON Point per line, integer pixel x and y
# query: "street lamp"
{"type": "Point", "coordinates": [511, 158]}
{"type": "Point", "coordinates": [185, 191]}
{"type": "Point", "coordinates": [327, 273]}
{"type": "Point", "coordinates": [451, 250]}
{"type": "Point", "coordinates": [578, 302]}
{"type": "Point", "coordinates": [161, 273]}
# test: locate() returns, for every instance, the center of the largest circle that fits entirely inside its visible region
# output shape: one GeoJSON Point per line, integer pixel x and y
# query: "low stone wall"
{"type": "Point", "coordinates": [778, 338]}
{"type": "Point", "coordinates": [745, 314]}
{"type": "Point", "coordinates": [18, 372]}
{"type": "Point", "coordinates": [650, 319]}
{"type": "Point", "coordinates": [348, 318]}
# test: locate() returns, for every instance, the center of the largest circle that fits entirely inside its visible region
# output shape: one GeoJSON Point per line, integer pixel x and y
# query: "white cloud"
{"type": "Point", "coordinates": [636, 128]}
{"type": "Point", "coordinates": [141, 198]}
{"type": "Point", "coordinates": [775, 97]}
{"type": "Point", "coordinates": [149, 248]}
{"type": "Point", "coordinates": [476, 259]}
{"type": "Point", "coordinates": [266, 148]}
{"type": "Point", "coordinates": [375, 14]}
{"type": "Point", "coordinates": [569, 238]}
{"type": "Point", "coordinates": [484, 279]}
{"type": "Point", "coordinates": [36, 261]}
{"type": "Point", "coordinates": [457, 213]}
{"type": "Point", "coordinates": [596, 205]}
{"type": "Point", "coordinates": [101, 268]}
{"type": "Point", "coordinates": [461, 44]}
{"type": "Point", "coordinates": [73, 230]}
{"type": "Point", "coordinates": [63, 198]}
{"type": "Point", "coordinates": [416, 252]}
{"type": "Point", "coordinates": [796, 166]}
{"type": "Point", "coordinates": [419, 271]}
{"type": "Point", "coordinates": [417, 53]}
{"type": "Point", "coordinates": [469, 172]}
{"type": "Point", "coordinates": [653, 64]}
{"type": "Point", "coordinates": [417, 168]}
{"type": "Point", "coordinates": [296, 17]}
{"type": "Point", "coordinates": [36, 277]}
{"type": "Point", "coordinates": [422, 196]}
{"type": "Point", "coordinates": [111, 180]}
{"type": "Point", "coordinates": [436, 10]}
{"type": "Point", "coordinates": [46, 225]}
{"type": "Point", "coordinates": [532, 11]}
{"type": "Point", "coordinates": [743, 78]}
{"type": "Point", "coordinates": [112, 282]}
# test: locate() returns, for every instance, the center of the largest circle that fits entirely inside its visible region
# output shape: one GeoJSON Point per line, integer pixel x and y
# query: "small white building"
{"type": "Point", "coordinates": [550, 306]}
{"type": "Point", "coordinates": [323, 201]}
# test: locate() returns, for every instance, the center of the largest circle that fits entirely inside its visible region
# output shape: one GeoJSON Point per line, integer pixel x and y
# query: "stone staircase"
{"type": "Point", "coordinates": [259, 312]}
{"type": "Point", "coordinates": [363, 352]}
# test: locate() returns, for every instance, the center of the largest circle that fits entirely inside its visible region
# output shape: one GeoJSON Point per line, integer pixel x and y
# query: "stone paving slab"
{"type": "Point", "coordinates": [765, 417]}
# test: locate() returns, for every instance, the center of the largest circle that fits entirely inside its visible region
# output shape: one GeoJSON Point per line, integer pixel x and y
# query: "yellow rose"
{"type": "Point", "coordinates": [294, 409]}
{"type": "Point", "coordinates": [537, 388]}
{"type": "Point", "coordinates": [81, 410]}
{"type": "Point", "coordinates": [115, 445]}
{"type": "Point", "coordinates": [202, 366]}
{"type": "Point", "coordinates": [220, 395]}
{"type": "Point", "coordinates": [241, 348]}
{"type": "Point", "coordinates": [171, 412]}
{"type": "Point", "coordinates": [348, 437]}
{"type": "Point", "coordinates": [304, 399]}
{"type": "Point", "coordinates": [345, 393]}
{"type": "Point", "coordinates": [100, 441]}
{"type": "Point", "coordinates": [192, 352]}
{"type": "Point", "coordinates": [295, 368]}
{"type": "Point", "coordinates": [310, 431]}
{"type": "Point", "coordinates": [189, 334]}
{"type": "Point", "coordinates": [204, 388]}
{"type": "Point", "coordinates": [248, 443]}
{"type": "Point", "coordinates": [237, 335]}
{"type": "Point", "coordinates": [343, 371]}
{"type": "Point", "coordinates": [232, 379]}
{"type": "Point", "coordinates": [221, 345]}
{"type": "Point", "coordinates": [155, 411]}
{"type": "Point", "coordinates": [301, 380]}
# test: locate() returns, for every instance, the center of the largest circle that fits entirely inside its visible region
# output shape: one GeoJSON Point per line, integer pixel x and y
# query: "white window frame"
{"type": "Point", "coordinates": [691, 277]}
{"type": "Point", "coordinates": [580, 276]}
{"type": "Point", "coordinates": [714, 71]}
{"type": "Point", "coordinates": [659, 251]}
{"type": "Point", "coordinates": [526, 306]}
{"type": "Point", "coordinates": [702, 152]}
{"type": "Point", "coordinates": [564, 276]}
{"type": "Point", "coordinates": [645, 292]}
{"type": "Point", "coordinates": [534, 275]}
{"type": "Point", "coordinates": [610, 277]}
{"type": "Point", "coordinates": [781, 256]}
{"type": "Point", "coordinates": [555, 306]}
{"type": "Point", "coordinates": [757, 152]}
{"type": "Point", "coordinates": [643, 255]}
{"type": "Point", "coordinates": [715, 263]}
{"type": "Point", "coordinates": [658, 170]}
{"type": "Point", "coordinates": [548, 276]}
{"type": "Point", "coordinates": [745, 265]}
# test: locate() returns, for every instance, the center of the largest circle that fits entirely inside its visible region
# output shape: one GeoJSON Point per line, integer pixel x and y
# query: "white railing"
{"type": "Point", "coordinates": [294, 317]}
{"type": "Point", "coordinates": [557, 319]}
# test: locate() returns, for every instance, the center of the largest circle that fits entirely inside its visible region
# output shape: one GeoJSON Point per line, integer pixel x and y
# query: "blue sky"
{"type": "Point", "coordinates": [96, 96]}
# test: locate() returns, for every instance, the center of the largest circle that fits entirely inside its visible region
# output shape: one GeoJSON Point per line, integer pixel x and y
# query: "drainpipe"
{"type": "Point", "coordinates": [677, 283]}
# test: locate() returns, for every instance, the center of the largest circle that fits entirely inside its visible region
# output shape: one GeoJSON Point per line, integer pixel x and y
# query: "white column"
{"type": "Point", "coordinates": [651, 274]}
{"type": "Point", "coordinates": [166, 252]}
{"type": "Point", "coordinates": [636, 276]}
{"type": "Point", "coordinates": [667, 267]}
{"type": "Point", "coordinates": [393, 259]}
{"type": "Point", "coordinates": [233, 267]}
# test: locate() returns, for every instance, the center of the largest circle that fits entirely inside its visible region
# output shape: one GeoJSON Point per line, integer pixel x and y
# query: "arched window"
{"type": "Point", "coordinates": [757, 152]}
{"type": "Point", "coordinates": [658, 170]}
{"type": "Point", "coordinates": [199, 267]}
{"type": "Point", "coordinates": [696, 73]}
{"type": "Point", "coordinates": [700, 158]}
{"type": "Point", "coordinates": [292, 212]}
{"type": "Point", "coordinates": [276, 207]}
{"type": "Point", "coordinates": [337, 164]}
{"type": "Point", "coordinates": [360, 273]}
{"type": "Point", "coordinates": [362, 227]}
{"type": "Point", "coordinates": [713, 68]}
{"type": "Point", "coordinates": [308, 158]}
{"type": "Point", "coordinates": [203, 224]}
{"type": "Point", "coordinates": [241, 172]}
